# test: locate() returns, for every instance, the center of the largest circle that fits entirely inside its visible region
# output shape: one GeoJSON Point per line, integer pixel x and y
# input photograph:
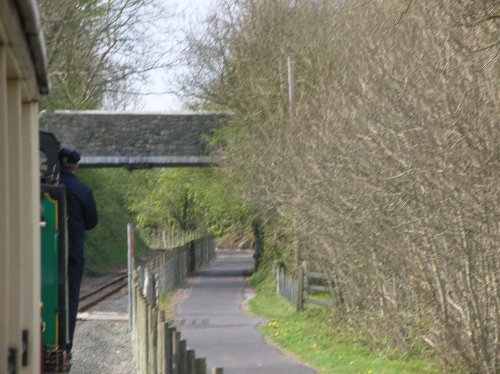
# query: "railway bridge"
{"type": "Point", "coordinates": [135, 140]}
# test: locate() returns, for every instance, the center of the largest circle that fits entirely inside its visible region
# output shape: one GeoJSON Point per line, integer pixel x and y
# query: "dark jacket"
{"type": "Point", "coordinates": [82, 215]}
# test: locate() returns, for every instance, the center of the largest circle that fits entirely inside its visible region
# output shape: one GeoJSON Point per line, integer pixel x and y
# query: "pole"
{"type": "Point", "coordinates": [130, 258]}
{"type": "Point", "coordinates": [293, 124]}
{"type": "Point", "coordinates": [291, 90]}
{"type": "Point", "coordinates": [300, 288]}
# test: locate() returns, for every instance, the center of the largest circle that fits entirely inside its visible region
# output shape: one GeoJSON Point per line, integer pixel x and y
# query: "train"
{"type": "Point", "coordinates": [54, 260]}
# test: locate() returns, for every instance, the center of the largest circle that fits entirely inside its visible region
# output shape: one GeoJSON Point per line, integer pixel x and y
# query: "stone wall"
{"type": "Point", "coordinates": [134, 139]}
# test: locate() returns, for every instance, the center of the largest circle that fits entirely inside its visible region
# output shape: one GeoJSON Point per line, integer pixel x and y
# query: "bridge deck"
{"type": "Point", "coordinates": [135, 140]}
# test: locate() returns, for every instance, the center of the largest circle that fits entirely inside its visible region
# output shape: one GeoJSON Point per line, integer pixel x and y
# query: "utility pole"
{"type": "Point", "coordinates": [293, 125]}
{"type": "Point", "coordinates": [291, 91]}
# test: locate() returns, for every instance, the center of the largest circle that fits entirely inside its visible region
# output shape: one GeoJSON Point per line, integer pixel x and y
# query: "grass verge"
{"type": "Point", "coordinates": [311, 336]}
{"type": "Point", "coordinates": [167, 303]}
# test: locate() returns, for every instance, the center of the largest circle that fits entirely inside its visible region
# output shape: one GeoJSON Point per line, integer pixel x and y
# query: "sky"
{"type": "Point", "coordinates": [194, 11]}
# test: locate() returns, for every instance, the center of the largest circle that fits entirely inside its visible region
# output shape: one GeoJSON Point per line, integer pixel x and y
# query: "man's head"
{"type": "Point", "coordinates": [69, 159]}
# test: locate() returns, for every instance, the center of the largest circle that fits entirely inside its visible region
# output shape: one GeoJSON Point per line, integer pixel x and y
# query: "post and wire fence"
{"type": "Point", "coordinates": [157, 345]}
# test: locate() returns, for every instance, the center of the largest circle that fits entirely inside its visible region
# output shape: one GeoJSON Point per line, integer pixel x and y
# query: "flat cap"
{"type": "Point", "coordinates": [69, 156]}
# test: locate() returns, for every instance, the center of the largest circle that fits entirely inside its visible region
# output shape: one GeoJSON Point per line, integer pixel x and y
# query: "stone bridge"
{"type": "Point", "coordinates": [135, 140]}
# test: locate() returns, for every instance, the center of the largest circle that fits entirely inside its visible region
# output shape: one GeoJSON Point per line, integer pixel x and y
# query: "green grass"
{"type": "Point", "coordinates": [167, 304]}
{"type": "Point", "coordinates": [311, 336]}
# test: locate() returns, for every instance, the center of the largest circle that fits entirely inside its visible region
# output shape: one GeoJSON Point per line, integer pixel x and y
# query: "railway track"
{"type": "Point", "coordinates": [92, 298]}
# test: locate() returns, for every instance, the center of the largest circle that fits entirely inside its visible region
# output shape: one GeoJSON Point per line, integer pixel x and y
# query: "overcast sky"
{"type": "Point", "coordinates": [192, 13]}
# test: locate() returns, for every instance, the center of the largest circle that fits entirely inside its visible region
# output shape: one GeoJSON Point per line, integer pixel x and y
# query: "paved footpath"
{"type": "Point", "coordinates": [212, 320]}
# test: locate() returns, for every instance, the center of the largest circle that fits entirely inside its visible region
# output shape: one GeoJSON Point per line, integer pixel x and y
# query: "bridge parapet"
{"type": "Point", "coordinates": [136, 140]}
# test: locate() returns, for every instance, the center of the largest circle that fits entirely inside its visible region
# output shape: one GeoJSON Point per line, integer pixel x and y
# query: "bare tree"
{"type": "Point", "coordinates": [392, 172]}
{"type": "Point", "coordinates": [99, 50]}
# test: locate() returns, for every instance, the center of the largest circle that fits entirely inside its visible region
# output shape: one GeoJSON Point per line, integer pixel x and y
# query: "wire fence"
{"type": "Point", "coordinates": [287, 285]}
{"type": "Point", "coordinates": [163, 239]}
{"type": "Point", "coordinates": [170, 269]}
{"type": "Point", "coordinates": [158, 347]}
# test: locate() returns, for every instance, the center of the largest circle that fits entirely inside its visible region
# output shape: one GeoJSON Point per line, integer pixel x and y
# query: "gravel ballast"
{"type": "Point", "coordinates": [102, 343]}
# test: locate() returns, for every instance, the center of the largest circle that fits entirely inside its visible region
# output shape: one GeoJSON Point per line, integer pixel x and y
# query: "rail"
{"type": "Point", "coordinates": [94, 297]}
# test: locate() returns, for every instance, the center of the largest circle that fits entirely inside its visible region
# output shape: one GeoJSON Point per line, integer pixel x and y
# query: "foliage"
{"type": "Point", "coordinates": [106, 245]}
{"type": "Point", "coordinates": [390, 173]}
{"type": "Point", "coordinates": [189, 199]}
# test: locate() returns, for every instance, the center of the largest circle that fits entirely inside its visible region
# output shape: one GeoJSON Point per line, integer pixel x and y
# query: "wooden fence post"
{"type": "Point", "coordinates": [144, 332]}
{"type": "Point", "coordinates": [305, 284]}
{"type": "Point", "coordinates": [171, 355]}
{"type": "Point", "coordinates": [162, 349]}
{"type": "Point", "coordinates": [182, 356]}
{"type": "Point", "coordinates": [160, 356]}
{"type": "Point", "coordinates": [300, 288]}
{"type": "Point", "coordinates": [154, 320]}
{"type": "Point", "coordinates": [278, 286]}
{"type": "Point", "coordinates": [201, 365]}
{"type": "Point", "coordinates": [150, 341]}
{"type": "Point", "coordinates": [145, 341]}
{"type": "Point", "coordinates": [176, 339]}
{"type": "Point", "coordinates": [170, 349]}
{"type": "Point", "coordinates": [190, 358]}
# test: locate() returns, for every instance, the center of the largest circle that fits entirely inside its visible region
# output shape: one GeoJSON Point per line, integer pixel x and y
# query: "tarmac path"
{"type": "Point", "coordinates": [212, 320]}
